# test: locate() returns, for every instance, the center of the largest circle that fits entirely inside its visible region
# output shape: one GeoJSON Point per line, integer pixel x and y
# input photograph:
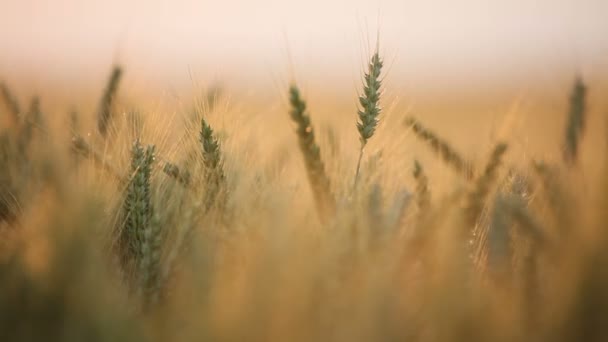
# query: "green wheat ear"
{"type": "Point", "coordinates": [576, 122]}
{"type": "Point", "coordinates": [140, 236]}
{"type": "Point", "coordinates": [311, 152]}
{"type": "Point", "coordinates": [369, 100]}
{"type": "Point", "coordinates": [213, 166]}
{"type": "Point", "coordinates": [449, 155]}
{"type": "Point", "coordinates": [370, 106]}
{"type": "Point", "coordinates": [104, 113]}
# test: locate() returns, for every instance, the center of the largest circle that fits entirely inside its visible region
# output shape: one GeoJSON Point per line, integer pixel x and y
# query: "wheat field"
{"type": "Point", "coordinates": [212, 222]}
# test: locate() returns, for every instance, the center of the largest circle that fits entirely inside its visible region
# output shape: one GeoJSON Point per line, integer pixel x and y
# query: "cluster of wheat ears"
{"type": "Point", "coordinates": [169, 247]}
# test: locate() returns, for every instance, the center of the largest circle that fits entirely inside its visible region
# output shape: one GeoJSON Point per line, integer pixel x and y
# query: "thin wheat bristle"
{"type": "Point", "coordinates": [576, 122]}
{"type": "Point", "coordinates": [104, 113]}
{"type": "Point", "coordinates": [441, 147]}
{"type": "Point", "coordinates": [311, 152]}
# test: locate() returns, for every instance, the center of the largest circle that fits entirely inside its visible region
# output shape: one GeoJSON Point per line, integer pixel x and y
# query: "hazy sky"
{"type": "Point", "coordinates": [423, 40]}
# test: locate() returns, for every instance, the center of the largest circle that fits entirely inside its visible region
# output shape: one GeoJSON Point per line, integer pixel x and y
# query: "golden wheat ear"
{"type": "Point", "coordinates": [441, 147]}
{"type": "Point", "coordinates": [315, 169]}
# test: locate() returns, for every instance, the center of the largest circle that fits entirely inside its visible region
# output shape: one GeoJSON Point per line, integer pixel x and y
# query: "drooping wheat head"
{"type": "Point", "coordinates": [311, 153]}
{"type": "Point", "coordinates": [449, 155]}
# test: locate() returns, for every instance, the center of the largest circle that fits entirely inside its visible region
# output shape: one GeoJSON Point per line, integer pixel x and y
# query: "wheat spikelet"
{"type": "Point", "coordinates": [576, 122]}
{"type": "Point", "coordinates": [441, 147]}
{"type": "Point", "coordinates": [104, 113]}
{"type": "Point", "coordinates": [315, 168]}
{"type": "Point", "coordinates": [370, 107]}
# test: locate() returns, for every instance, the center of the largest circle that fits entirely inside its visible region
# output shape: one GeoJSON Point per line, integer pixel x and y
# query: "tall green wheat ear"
{"type": "Point", "coordinates": [104, 113]}
{"type": "Point", "coordinates": [449, 155]}
{"type": "Point", "coordinates": [311, 152]}
{"type": "Point", "coordinates": [10, 101]}
{"type": "Point", "coordinates": [370, 106]}
{"type": "Point", "coordinates": [576, 122]}
{"type": "Point", "coordinates": [212, 160]}
{"type": "Point", "coordinates": [138, 235]}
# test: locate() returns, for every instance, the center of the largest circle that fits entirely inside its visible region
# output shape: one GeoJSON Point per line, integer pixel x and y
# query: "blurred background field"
{"type": "Point", "coordinates": [193, 198]}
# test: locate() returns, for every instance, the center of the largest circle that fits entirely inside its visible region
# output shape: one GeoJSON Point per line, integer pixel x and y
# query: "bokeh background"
{"type": "Point", "coordinates": [427, 43]}
{"type": "Point", "coordinates": [460, 65]}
